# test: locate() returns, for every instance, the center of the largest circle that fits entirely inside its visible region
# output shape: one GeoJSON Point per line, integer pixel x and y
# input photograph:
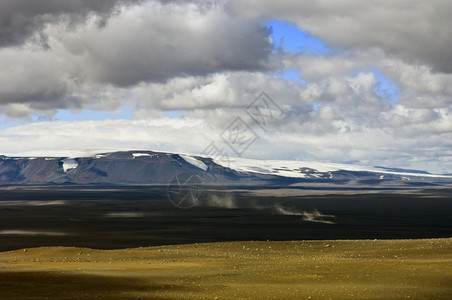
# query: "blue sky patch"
{"type": "Point", "coordinates": [386, 88]}
{"type": "Point", "coordinates": [293, 75]}
{"type": "Point", "coordinates": [316, 106]}
{"type": "Point", "coordinates": [4, 123]}
{"type": "Point", "coordinates": [173, 114]}
{"type": "Point", "coordinates": [66, 115]}
{"type": "Point", "coordinates": [291, 39]}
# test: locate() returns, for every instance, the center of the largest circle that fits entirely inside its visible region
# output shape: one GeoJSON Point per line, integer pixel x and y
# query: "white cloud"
{"type": "Point", "coordinates": [155, 42]}
{"type": "Point", "coordinates": [415, 30]}
{"type": "Point", "coordinates": [207, 63]}
{"type": "Point", "coordinates": [75, 138]}
{"type": "Point", "coordinates": [87, 65]}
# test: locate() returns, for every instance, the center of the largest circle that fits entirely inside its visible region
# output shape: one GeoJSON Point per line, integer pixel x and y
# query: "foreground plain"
{"type": "Point", "coordinates": [349, 269]}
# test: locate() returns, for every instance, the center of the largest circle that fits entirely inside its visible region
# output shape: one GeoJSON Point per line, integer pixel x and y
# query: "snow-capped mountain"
{"type": "Point", "coordinates": [148, 168]}
{"type": "Point", "coordinates": [302, 169]}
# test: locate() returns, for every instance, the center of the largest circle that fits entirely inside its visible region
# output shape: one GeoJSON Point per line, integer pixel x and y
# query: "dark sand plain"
{"type": "Point", "coordinates": [351, 269]}
{"type": "Point", "coordinates": [130, 217]}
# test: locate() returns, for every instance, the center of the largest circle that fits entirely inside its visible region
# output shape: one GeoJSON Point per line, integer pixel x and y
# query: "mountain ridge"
{"type": "Point", "coordinates": [151, 167]}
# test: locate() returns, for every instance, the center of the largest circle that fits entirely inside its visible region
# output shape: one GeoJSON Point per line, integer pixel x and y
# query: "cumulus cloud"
{"type": "Point", "coordinates": [174, 40]}
{"type": "Point", "coordinates": [415, 30]}
{"type": "Point", "coordinates": [216, 91]}
{"type": "Point", "coordinates": [143, 43]}
{"type": "Point", "coordinates": [32, 78]}
{"type": "Point", "coordinates": [327, 76]}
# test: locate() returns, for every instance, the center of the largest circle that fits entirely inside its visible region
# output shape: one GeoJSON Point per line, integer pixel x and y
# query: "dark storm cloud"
{"type": "Point", "coordinates": [21, 19]}
{"type": "Point", "coordinates": [150, 42]}
{"type": "Point", "coordinates": [162, 42]}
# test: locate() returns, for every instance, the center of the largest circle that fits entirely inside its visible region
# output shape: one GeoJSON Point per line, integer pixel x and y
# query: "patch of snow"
{"type": "Point", "coordinates": [135, 155]}
{"type": "Point", "coordinates": [316, 175]}
{"type": "Point", "coordinates": [289, 168]}
{"type": "Point", "coordinates": [69, 163]}
{"type": "Point", "coordinates": [195, 162]}
{"type": "Point", "coordinates": [273, 167]}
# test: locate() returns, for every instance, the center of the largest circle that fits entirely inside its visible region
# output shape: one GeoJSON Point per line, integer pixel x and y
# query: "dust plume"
{"type": "Point", "coordinates": [229, 202]}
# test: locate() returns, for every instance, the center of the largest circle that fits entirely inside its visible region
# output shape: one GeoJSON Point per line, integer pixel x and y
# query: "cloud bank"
{"type": "Point", "coordinates": [202, 63]}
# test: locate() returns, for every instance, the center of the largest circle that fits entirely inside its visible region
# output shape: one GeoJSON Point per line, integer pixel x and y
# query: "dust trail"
{"type": "Point", "coordinates": [124, 214]}
{"type": "Point", "coordinates": [31, 232]}
{"type": "Point", "coordinates": [31, 203]}
{"type": "Point", "coordinates": [308, 216]}
{"type": "Point", "coordinates": [313, 215]}
{"type": "Point", "coordinates": [221, 202]}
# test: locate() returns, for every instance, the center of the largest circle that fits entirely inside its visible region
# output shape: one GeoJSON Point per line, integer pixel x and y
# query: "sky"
{"type": "Point", "coordinates": [348, 81]}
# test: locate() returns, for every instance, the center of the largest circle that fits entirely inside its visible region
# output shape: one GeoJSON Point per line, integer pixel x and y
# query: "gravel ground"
{"type": "Point", "coordinates": [349, 269]}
